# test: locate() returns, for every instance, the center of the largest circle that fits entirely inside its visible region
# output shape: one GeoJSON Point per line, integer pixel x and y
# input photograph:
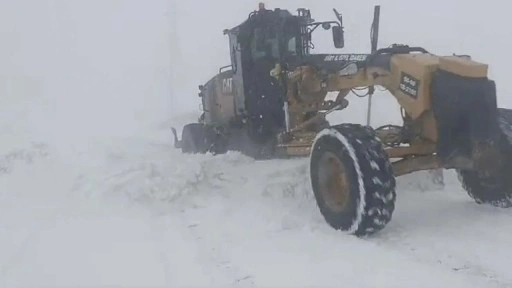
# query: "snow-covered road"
{"type": "Point", "coordinates": [92, 193]}
{"type": "Point", "coordinates": [134, 212]}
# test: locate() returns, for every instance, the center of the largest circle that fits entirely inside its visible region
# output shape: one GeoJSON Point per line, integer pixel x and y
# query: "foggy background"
{"type": "Point", "coordinates": [129, 62]}
{"type": "Point", "coordinates": [84, 68]}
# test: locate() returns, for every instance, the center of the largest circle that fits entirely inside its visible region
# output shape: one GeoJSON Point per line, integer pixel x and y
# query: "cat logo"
{"type": "Point", "coordinates": [227, 85]}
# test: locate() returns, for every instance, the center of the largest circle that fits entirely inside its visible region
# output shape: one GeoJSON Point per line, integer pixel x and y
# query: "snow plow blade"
{"type": "Point", "coordinates": [177, 142]}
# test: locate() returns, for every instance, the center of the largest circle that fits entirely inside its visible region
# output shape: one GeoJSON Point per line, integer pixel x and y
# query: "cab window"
{"type": "Point", "coordinates": [264, 44]}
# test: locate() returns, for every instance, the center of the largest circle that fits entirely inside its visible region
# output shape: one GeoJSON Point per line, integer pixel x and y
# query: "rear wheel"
{"type": "Point", "coordinates": [494, 189]}
{"type": "Point", "coordinates": [352, 179]}
{"type": "Point", "coordinates": [194, 139]}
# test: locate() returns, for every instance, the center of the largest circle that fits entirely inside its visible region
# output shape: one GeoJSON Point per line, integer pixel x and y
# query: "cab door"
{"type": "Point", "coordinates": [237, 82]}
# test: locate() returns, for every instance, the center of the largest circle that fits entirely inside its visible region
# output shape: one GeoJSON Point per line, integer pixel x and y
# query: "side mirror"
{"type": "Point", "coordinates": [201, 89]}
{"type": "Point", "coordinates": [338, 37]}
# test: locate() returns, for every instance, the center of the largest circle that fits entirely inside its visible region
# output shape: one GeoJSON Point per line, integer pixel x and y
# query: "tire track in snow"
{"type": "Point", "coordinates": [446, 228]}
{"type": "Point", "coordinates": [213, 251]}
{"type": "Point", "coordinates": [194, 252]}
{"type": "Point", "coordinates": [43, 225]}
{"type": "Point", "coordinates": [186, 254]}
{"type": "Point", "coordinates": [446, 258]}
{"type": "Point", "coordinates": [176, 251]}
{"type": "Point", "coordinates": [212, 215]}
{"type": "Point", "coordinates": [161, 252]}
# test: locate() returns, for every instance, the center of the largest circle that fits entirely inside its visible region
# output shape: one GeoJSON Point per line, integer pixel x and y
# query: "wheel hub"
{"type": "Point", "coordinates": [334, 183]}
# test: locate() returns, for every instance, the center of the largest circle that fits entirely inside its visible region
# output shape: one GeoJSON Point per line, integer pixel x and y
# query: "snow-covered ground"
{"type": "Point", "coordinates": [92, 194]}
{"type": "Point", "coordinates": [133, 212]}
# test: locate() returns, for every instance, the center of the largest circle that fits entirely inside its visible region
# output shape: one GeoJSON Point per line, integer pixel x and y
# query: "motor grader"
{"type": "Point", "coordinates": [271, 102]}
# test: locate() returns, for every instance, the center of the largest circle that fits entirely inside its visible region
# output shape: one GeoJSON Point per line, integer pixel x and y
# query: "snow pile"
{"type": "Point", "coordinates": [21, 157]}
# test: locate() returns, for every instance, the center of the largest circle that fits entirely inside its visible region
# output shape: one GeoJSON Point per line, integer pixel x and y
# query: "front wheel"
{"type": "Point", "coordinates": [352, 179]}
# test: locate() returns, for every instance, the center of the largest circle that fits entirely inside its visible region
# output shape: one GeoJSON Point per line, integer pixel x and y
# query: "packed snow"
{"type": "Point", "coordinates": [93, 194]}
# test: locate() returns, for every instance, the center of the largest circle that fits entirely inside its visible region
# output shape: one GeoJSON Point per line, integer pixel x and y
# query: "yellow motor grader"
{"type": "Point", "coordinates": [271, 102]}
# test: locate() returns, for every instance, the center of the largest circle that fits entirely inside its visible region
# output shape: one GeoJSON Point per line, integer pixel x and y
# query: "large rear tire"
{"type": "Point", "coordinates": [494, 189]}
{"type": "Point", "coordinates": [352, 179]}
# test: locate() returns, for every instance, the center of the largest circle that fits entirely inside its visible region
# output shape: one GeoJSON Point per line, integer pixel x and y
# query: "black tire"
{"type": "Point", "coordinates": [368, 172]}
{"type": "Point", "coordinates": [495, 189]}
{"type": "Point", "coordinates": [194, 139]}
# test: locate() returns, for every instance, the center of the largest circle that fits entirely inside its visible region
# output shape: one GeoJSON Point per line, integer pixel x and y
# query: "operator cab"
{"type": "Point", "coordinates": [267, 38]}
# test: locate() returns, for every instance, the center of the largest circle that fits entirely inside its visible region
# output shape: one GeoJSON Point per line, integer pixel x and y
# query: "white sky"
{"type": "Point", "coordinates": [100, 53]}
